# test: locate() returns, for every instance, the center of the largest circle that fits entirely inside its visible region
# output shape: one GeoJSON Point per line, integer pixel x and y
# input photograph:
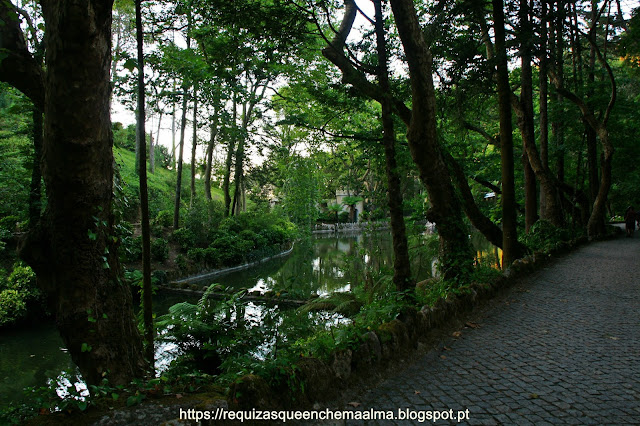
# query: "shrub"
{"type": "Point", "coordinates": [12, 306]}
{"type": "Point", "coordinates": [164, 218]}
{"type": "Point", "coordinates": [544, 236]}
{"type": "Point", "coordinates": [159, 249]}
{"type": "Point", "coordinates": [131, 248]}
{"type": "Point", "coordinates": [196, 254]}
{"type": "Point", "coordinates": [185, 238]}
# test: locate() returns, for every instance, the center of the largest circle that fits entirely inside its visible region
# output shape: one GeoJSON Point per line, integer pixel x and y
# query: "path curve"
{"type": "Point", "coordinates": [563, 347]}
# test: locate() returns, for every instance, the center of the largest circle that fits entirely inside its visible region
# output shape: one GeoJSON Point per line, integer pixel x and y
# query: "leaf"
{"type": "Point", "coordinates": [416, 392]}
{"type": "Point", "coordinates": [82, 405]}
{"type": "Point", "coordinates": [456, 334]}
{"type": "Point", "coordinates": [130, 64]}
{"type": "Point", "coordinates": [85, 348]}
{"type": "Point", "coordinates": [472, 324]}
{"type": "Point", "coordinates": [354, 404]}
{"type": "Point", "coordinates": [443, 357]}
{"type": "Point", "coordinates": [92, 235]}
{"type": "Point", "coordinates": [115, 396]}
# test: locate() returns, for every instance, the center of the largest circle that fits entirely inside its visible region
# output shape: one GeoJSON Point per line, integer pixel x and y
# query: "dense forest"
{"type": "Point", "coordinates": [243, 121]}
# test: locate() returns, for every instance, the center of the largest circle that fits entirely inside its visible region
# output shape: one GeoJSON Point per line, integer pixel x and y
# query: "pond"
{"type": "Point", "coordinates": [328, 263]}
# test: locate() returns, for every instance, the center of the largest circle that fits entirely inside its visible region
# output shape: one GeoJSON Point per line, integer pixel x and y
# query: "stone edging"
{"type": "Point", "coordinates": [324, 381]}
{"type": "Point", "coordinates": [205, 275]}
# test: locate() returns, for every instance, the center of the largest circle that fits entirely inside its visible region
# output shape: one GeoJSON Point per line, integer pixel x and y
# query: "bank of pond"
{"type": "Point", "coordinates": [230, 337]}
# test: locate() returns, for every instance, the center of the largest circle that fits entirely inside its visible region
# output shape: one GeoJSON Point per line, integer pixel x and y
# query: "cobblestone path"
{"type": "Point", "coordinates": [562, 348]}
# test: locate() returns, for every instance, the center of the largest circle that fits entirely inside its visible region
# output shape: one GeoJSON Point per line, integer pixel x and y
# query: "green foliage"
{"type": "Point", "coordinates": [301, 192]}
{"type": "Point", "coordinates": [159, 249]}
{"type": "Point", "coordinates": [544, 236]}
{"type": "Point", "coordinates": [16, 156]}
{"type": "Point", "coordinates": [12, 306]}
{"type": "Point", "coordinates": [19, 295]}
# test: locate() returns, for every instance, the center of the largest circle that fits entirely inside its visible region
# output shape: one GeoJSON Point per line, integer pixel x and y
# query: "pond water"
{"type": "Point", "coordinates": [326, 264]}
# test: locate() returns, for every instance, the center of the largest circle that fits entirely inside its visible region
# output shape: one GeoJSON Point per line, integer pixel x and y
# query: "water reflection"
{"type": "Point", "coordinates": [322, 265]}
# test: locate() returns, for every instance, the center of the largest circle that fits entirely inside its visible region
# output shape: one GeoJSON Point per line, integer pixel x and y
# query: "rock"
{"type": "Point", "coordinates": [252, 391]}
{"type": "Point", "coordinates": [368, 353]}
{"type": "Point", "coordinates": [317, 378]}
{"type": "Point", "coordinates": [342, 364]}
{"type": "Point", "coordinates": [394, 338]}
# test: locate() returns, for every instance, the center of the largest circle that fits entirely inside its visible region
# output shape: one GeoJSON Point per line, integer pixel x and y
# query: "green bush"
{"type": "Point", "coordinates": [131, 248]}
{"type": "Point", "coordinates": [159, 249]}
{"type": "Point", "coordinates": [12, 306]}
{"type": "Point", "coordinates": [164, 218]}
{"type": "Point", "coordinates": [18, 294]}
{"type": "Point", "coordinates": [544, 236]}
{"type": "Point", "coordinates": [185, 238]}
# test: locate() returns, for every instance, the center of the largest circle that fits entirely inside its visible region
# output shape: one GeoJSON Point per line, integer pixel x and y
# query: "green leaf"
{"type": "Point", "coordinates": [115, 396]}
{"type": "Point", "coordinates": [130, 64]}
{"type": "Point", "coordinates": [85, 348]}
{"type": "Point", "coordinates": [82, 405]}
{"type": "Point", "coordinates": [92, 235]}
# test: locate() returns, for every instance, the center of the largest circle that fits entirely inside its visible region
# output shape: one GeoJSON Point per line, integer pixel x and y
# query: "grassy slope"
{"type": "Point", "coordinates": [161, 183]}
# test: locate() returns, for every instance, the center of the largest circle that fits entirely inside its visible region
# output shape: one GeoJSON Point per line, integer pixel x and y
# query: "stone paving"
{"type": "Point", "coordinates": [563, 347]}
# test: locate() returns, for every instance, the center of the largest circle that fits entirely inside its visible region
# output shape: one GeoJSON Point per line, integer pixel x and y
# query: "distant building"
{"type": "Point", "coordinates": [358, 207]}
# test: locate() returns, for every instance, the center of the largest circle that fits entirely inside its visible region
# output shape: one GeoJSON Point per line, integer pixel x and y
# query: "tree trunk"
{"type": "Point", "coordinates": [183, 126]}
{"type": "Point", "coordinates": [401, 263]}
{"type": "Point", "coordinates": [147, 306]}
{"type": "Point", "coordinates": [209, 160]}
{"type": "Point", "coordinates": [173, 131]}
{"type": "Point", "coordinates": [455, 251]}
{"type": "Point", "coordinates": [237, 177]}
{"type": "Point", "coordinates": [18, 66]}
{"type": "Point", "coordinates": [72, 249]}
{"type": "Point", "coordinates": [229, 161]}
{"type": "Point", "coordinates": [194, 144]}
{"type": "Point", "coordinates": [509, 222]}
{"type": "Point", "coordinates": [544, 96]}
{"type": "Point", "coordinates": [527, 121]}
{"type": "Point", "coordinates": [592, 147]}
{"type": "Point", "coordinates": [35, 188]}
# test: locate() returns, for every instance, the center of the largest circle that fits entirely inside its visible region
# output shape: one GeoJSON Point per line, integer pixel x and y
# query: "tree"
{"type": "Point", "coordinates": [144, 197]}
{"type": "Point", "coordinates": [72, 249]}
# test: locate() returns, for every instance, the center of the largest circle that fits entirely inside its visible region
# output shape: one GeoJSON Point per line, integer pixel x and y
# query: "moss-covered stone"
{"type": "Point", "coordinates": [252, 391]}
{"type": "Point", "coordinates": [368, 353]}
{"type": "Point", "coordinates": [394, 338]}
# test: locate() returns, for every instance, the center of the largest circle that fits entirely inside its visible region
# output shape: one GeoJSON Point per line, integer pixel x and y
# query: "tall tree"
{"type": "Point", "coordinates": [445, 209]}
{"type": "Point", "coordinates": [144, 196]}
{"type": "Point", "coordinates": [183, 126]}
{"type": "Point", "coordinates": [401, 262]}
{"type": "Point", "coordinates": [72, 249]}
{"type": "Point", "coordinates": [509, 224]}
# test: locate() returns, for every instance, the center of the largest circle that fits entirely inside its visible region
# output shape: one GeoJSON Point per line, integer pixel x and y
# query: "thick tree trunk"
{"type": "Point", "coordinates": [212, 142]}
{"type": "Point", "coordinates": [445, 211]}
{"type": "Point", "coordinates": [72, 249]}
{"type": "Point", "coordinates": [509, 223]}
{"type": "Point", "coordinates": [147, 306]}
{"type": "Point", "coordinates": [35, 188]}
{"type": "Point", "coordinates": [401, 262]}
